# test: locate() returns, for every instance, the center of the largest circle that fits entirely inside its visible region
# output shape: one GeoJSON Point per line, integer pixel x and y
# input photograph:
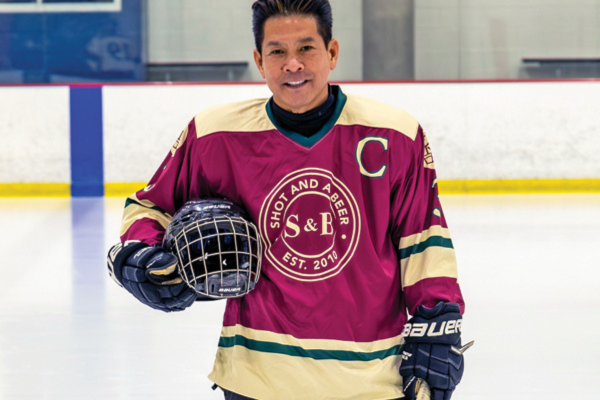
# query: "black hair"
{"type": "Point", "coordinates": [265, 9]}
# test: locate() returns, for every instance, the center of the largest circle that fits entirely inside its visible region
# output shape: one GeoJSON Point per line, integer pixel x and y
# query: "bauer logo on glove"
{"type": "Point", "coordinates": [432, 357]}
{"type": "Point", "coordinates": [431, 330]}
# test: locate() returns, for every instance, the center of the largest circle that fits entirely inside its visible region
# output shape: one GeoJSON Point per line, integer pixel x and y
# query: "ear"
{"type": "Point", "coordinates": [259, 63]}
{"type": "Point", "coordinates": [334, 51]}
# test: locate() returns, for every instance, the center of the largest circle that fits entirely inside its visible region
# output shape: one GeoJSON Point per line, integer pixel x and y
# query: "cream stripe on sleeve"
{"type": "Point", "coordinates": [428, 254]}
{"type": "Point", "coordinates": [137, 209]}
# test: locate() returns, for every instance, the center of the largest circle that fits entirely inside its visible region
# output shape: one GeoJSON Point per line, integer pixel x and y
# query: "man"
{"type": "Point", "coordinates": [343, 190]}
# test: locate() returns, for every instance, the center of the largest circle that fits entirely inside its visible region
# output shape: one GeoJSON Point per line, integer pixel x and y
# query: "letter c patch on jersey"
{"type": "Point", "coordinates": [360, 148]}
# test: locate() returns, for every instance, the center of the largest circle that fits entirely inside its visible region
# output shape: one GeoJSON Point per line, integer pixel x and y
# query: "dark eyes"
{"type": "Point", "coordinates": [302, 49]}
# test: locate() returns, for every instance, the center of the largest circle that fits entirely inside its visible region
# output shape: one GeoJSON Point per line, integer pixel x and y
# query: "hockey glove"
{"type": "Point", "coordinates": [432, 351]}
{"type": "Point", "coordinates": [150, 274]}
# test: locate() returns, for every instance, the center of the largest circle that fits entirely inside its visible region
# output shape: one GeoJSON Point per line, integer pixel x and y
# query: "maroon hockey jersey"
{"type": "Point", "coordinates": [354, 237]}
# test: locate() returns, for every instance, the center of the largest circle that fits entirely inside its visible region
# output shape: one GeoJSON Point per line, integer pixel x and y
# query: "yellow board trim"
{"type": "Point", "coordinates": [123, 189]}
{"type": "Point", "coordinates": [519, 186]}
{"type": "Point", "coordinates": [35, 190]}
{"type": "Point", "coordinates": [468, 186]}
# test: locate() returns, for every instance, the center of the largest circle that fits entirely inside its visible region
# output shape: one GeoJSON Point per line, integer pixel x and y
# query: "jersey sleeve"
{"type": "Point", "coordinates": [424, 246]}
{"type": "Point", "coordinates": [149, 211]}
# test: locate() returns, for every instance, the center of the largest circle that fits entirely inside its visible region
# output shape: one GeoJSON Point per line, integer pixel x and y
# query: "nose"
{"type": "Point", "coordinates": [293, 64]}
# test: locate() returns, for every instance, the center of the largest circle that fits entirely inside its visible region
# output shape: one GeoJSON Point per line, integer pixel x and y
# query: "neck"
{"type": "Point", "coordinates": [309, 122]}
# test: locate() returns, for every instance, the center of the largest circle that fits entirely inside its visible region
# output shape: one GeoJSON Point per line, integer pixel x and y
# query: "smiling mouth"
{"type": "Point", "coordinates": [296, 83]}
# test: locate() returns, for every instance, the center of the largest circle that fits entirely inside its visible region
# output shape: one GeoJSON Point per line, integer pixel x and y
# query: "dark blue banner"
{"type": "Point", "coordinates": [67, 47]}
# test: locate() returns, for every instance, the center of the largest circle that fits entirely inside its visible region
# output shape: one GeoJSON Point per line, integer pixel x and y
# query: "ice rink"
{"type": "Point", "coordinates": [528, 266]}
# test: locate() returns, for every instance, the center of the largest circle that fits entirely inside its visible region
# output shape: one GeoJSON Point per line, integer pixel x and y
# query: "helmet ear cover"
{"type": "Point", "coordinates": [219, 250]}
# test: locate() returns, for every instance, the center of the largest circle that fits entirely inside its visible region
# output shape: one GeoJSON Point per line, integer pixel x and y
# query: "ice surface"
{"type": "Point", "coordinates": [528, 267]}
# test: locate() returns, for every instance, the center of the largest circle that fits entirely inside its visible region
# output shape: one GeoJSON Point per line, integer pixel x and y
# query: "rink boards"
{"type": "Point", "coordinates": [486, 137]}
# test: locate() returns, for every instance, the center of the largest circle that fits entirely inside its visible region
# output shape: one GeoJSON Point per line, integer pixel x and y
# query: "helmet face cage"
{"type": "Point", "coordinates": [219, 252]}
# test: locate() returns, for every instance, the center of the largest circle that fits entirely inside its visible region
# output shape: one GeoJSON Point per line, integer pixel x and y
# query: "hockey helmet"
{"type": "Point", "coordinates": [219, 250]}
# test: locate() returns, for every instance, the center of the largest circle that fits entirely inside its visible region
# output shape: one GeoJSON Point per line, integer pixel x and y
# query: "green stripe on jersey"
{"type": "Point", "coordinates": [316, 354]}
{"type": "Point", "coordinates": [433, 241]}
{"type": "Point", "coordinates": [129, 202]}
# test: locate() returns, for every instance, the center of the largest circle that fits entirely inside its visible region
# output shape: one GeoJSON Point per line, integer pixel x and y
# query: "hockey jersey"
{"type": "Point", "coordinates": [354, 237]}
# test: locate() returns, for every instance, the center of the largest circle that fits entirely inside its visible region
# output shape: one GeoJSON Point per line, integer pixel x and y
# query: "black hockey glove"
{"type": "Point", "coordinates": [150, 274]}
{"type": "Point", "coordinates": [432, 351]}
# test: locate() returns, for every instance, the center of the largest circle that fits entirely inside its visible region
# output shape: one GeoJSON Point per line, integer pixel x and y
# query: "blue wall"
{"type": "Point", "coordinates": [73, 47]}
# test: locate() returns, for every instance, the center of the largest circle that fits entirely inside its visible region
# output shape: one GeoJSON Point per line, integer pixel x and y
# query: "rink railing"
{"type": "Point", "coordinates": [487, 137]}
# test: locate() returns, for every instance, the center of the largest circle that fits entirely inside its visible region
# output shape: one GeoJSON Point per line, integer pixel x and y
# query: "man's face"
{"type": "Point", "coordinates": [295, 62]}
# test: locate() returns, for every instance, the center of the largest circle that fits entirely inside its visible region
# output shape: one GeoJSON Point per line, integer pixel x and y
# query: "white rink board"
{"type": "Point", "coordinates": [477, 130]}
{"type": "Point", "coordinates": [504, 130]}
{"type": "Point", "coordinates": [34, 129]}
{"type": "Point", "coordinates": [141, 123]}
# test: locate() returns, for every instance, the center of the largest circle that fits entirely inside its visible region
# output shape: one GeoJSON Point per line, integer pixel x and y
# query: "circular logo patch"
{"type": "Point", "coordinates": [310, 225]}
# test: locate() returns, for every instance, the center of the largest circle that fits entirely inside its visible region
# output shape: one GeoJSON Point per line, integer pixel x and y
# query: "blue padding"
{"type": "Point", "coordinates": [87, 167]}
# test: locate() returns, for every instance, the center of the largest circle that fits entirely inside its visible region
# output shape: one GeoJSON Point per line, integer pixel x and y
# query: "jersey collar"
{"type": "Point", "coordinates": [308, 142]}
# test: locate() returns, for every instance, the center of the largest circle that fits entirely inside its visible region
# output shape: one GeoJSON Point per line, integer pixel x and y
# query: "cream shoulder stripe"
{"type": "Point", "coordinates": [311, 344]}
{"type": "Point", "coordinates": [137, 209]}
{"type": "Point", "coordinates": [433, 262]}
{"type": "Point", "coordinates": [243, 116]}
{"type": "Point", "coordinates": [362, 111]}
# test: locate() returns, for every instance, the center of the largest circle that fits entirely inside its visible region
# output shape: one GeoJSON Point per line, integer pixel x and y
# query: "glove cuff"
{"type": "Point", "coordinates": [439, 309]}
{"type": "Point", "coordinates": [117, 256]}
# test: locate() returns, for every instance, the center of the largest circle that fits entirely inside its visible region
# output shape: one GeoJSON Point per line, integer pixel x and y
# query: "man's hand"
{"type": "Point", "coordinates": [433, 352]}
{"type": "Point", "coordinates": [150, 274]}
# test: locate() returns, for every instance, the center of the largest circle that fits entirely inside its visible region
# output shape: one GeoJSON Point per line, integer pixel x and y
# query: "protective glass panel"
{"type": "Point", "coordinates": [71, 42]}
